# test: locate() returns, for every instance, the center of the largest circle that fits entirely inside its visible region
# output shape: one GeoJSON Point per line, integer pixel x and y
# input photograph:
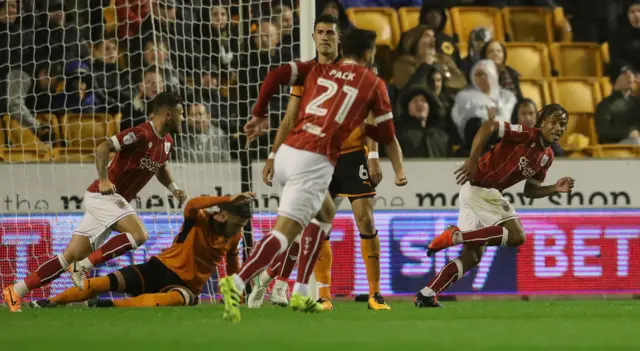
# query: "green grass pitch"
{"type": "Point", "coordinates": [482, 325]}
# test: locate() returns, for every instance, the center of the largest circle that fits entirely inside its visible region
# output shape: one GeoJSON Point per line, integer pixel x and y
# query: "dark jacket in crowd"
{"type": "Point", "coordinates": [616, 117]}
{"type": "Point", "coordinates": [445, 43]}
{"type": "Point", "coordinates": [624, 46]}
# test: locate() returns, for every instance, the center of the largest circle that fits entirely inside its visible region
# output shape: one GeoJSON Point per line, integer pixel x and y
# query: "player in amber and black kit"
{"type": "Point", "coordinates": [337, 99]}
{"type": "Point", "coordinates": [486, 218]}
{"type": "Point", "coordinates": [176, 276]}
{"type": "Point", "coordinates": [141, 154]}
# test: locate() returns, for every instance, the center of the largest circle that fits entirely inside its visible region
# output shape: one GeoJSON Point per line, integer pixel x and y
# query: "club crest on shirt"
{"type": "Point", "coordinates": [544, 160]}
{"type": "Point", "coordinates": [129, 138]}
{"type": "Point", "coordinates": [121, 204]}
{"type": "Point", "coordinates": [167, 147]}
{"type": "Point", "coordinates": [516, 128]}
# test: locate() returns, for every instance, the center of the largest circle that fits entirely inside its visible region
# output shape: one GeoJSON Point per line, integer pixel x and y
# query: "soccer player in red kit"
{"type": "Point", "coordinates": [485, 217]}
{"type": "Point", "coordinates": [337, 99]}
{"type": "Point", "coordinates": [141, 153]}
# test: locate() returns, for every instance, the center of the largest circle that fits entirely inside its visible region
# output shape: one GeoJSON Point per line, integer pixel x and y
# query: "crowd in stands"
{"type": "Point", "coordinates": [113, 57]}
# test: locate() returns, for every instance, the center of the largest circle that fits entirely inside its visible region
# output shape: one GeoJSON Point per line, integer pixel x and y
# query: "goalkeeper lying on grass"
{"type": "Point", "coordinates": [176, 276]}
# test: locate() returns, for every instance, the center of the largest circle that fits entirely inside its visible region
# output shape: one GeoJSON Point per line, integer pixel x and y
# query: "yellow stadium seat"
{"type": "Point", "coordinates": [466, 19]}
{"type": "Point", "coordinates": [561, 26]}
{"type": "Point", "coordinates": [536, 90]}
{"type": "Point", "coordinates": [587, 152]}
{"type": "Point", "coordinates": [617, 151]}
{"type": "Point", "coordinates": [89, 130]}
{"type": "Point", "coordinates": [529, 59]}
{"type": "Point", "coordinates": [73, 155]}
{"type": "Point", "coordinates": [410, 18]}
{"type": "Point", "coordinates": [579, 124]}
{"type": "Point", "coordinates": [464, 49]}
{"type": "Point", "coordinates": [577, 59]}
{"type": "Point", "coordinates": [382, 20]}
{"type": "Point", "coordinates": [3, 134]}
{"type": "Point", "coordinates": [604, 49]}
{"type": "Point", "coordinates": [18, 154]}
{"type": "Point", "coordinates": [49, 119]}
{"type": "Point", "coordinates": [606, 86]}
{"type": "Point", "coordinates": [529, 23]}
{"type": "Point", "coordinates": [577, 95]}
{"type": "Point", "coordinates": [19, 136]}
{"type": "Point", "coordinates": [110, 17]}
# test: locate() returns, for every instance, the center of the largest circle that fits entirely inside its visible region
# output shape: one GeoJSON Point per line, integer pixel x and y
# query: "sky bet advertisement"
{"type": "Point", "coordinates": [572, 252]}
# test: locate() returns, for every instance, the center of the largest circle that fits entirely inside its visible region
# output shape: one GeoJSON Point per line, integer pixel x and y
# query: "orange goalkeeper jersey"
{"type": "Point", "coordinates": [200, 246]}
{"type": "Point", "coordinates": [354, 142]}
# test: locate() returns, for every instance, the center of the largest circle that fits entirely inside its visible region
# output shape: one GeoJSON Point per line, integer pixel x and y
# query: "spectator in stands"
{"type": "Point", "coordinates": [483, 98]}
{"type": "Point", "coordinates": [29, 94]}
{"type": "Point", "coordinates": [56, 39]}
{"type": "Point", "coordinates": [108, 80]}
{"type": "Point", "coordinates": [478, 38]}
{"type": "Point", "coordinates": [219, 41]}
{"type": "Point", "coordinates": [156, 54]}
{"type": "Point", "coordinates": [264, 53]}
{"type": "Point", "coordinates": [201, 139]}
{"type": "Point", "coordinates": [137, 110]}
{"type": "Point", "coordinates": [436, 82]}
{"type": "Point", "coordinates": [421, 44]}
{"type": "Point", "coordinates": [16, 45]}
{"type": "Point", "coordinates": [420, 129]}
{"type": "Point", "coordinates": [335, 9]}
{"type": "Point", "coordinates": [283, 19]}
{"type": "Point", "coordinates": [79, 96]}
{"type": "Point", "coordinates": [624, 45]}
{"type": "Point", "coordinates": [508, 77]}
{"type": "Point", "coordinates": [434, 15]}
{"type": "Point", "coordinates": [130, 15]}
{"type": "Point", "coordinates": [595, 20]}
{"type": "Point", "coordinates": [525, 113]}
{"type": "Point", "coordinates": [617, 119]}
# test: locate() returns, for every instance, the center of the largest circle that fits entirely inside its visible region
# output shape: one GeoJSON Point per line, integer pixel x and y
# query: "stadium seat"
{"type": "Point", "coordinates": [110, 20]}
{"type": "Point", "coordinates": [561, 26]}
{"type": "Point", "coordinates": [465, 19]}
{"type": "Point", "coordinates": [617, 151]}
{"type": "Point", "coordinates": [604, 48]}
{"type": "Point", "coordinates": [464, 49]}
{"type": "Point", "coordinates": [26, 154]}
{"type": "Point", "coordinates": [536, 90]}
{"type": "Point", "coordinates": [3, 134]}
{"type": "Point", "coordinates": [51, 120]}
{"type": "Point", "coordinates": [587, 152]}
{"type": "Point", "coordinates": [87, 131]}
{"type": "Point", "coordinates": [577, 95]}
{"type": "Point", "coordinates": [529, 59]}
{"type": "Point", "coordinates": [607, 87]}
{"type": "Point", "coordinates": [410, 18]}
{"type": "Point", "coordinates": [21, 137]}
{"type": "Point", "coordinates": [73, 155]}
{"type": "Point", "coordinates": [577, 59]}
{"type": "Point", "coordinates": [529, 23]}
{"type": "Point", "coordinates": [382, 20]}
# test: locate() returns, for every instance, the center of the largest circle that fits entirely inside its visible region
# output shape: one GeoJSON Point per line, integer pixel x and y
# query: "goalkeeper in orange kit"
{"type": "Point", "coordinates": [176, 276]}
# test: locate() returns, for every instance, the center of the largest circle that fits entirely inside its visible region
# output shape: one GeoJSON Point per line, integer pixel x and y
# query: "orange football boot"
{"type": "Point", "coordinates": [443, 240]}
{"type": "Point", "coordinates": [12, 299]}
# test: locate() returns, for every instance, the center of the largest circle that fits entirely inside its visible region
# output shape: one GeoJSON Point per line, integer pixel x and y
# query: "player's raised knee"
{"type": "Point", "coordinates": [517, 237]}
{"type": "Point", "coordinates": [139, 236]}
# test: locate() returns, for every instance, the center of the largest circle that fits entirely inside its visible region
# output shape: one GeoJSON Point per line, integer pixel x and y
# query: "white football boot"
{"type": "Point", "coordinates": [256, 298]}
{"type": "Point", "coordinates": [279, 293]}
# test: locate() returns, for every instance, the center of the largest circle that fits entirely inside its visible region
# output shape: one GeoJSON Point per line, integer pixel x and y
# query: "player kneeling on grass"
{"type": "Point", "coordinates": [176, 276]}
{"type": "Point", "coordinates": [486, 218]}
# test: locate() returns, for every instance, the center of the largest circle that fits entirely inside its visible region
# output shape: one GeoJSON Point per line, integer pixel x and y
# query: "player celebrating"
{"type": "Point", "coordinates": [141, 153]}
{"type": "Point", "coordinates": [486, 218]}
{"type": "Point", "coordinates": [176, 276]}
{"type": "Point", "coordinates": [355, 177]}
{"type": "Point", "coordinates": [337, 99]}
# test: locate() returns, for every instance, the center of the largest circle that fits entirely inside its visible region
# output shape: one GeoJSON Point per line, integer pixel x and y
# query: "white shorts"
{"type": "Point", "coordinates": [102, 211]}
{"type": "Point", "coordinates": [305, 178]}
{"type": "Point", "coordinates": [482, 207]}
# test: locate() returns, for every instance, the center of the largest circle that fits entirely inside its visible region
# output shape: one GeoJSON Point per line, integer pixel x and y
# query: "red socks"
{"type": "Point", "coordinates": [47, 272]}
{"type": "Point", "coordinates": [113, 248]}
{"type": "Point", "coordinates": [310, 243]}
{"type": "Point", "coordinates": [451, 272]}
{"type": "Point", "coordinates": [282, 266]}
{"type": "Point", "coordinates": [271, 246]}
{"type": "Point", "coordinates": [489, 236]}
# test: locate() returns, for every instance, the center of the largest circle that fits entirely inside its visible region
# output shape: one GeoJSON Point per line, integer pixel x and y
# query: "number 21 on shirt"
{"type": "Point", "coordinates": [314, 107]}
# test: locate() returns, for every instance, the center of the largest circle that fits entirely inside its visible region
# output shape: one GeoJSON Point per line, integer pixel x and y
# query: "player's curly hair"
{"type": "Point", "coordinates": [242, 211]}
{"type": "Point", "coordinates": [549, 110]}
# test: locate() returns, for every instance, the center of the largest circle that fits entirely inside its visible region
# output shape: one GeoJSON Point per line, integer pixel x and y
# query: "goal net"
{"type": "Point", "coordinates": [75, 76]}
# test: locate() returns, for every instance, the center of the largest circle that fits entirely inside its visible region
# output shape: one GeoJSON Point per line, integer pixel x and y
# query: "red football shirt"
{"type": "Point", "coordinates": [520, 155]}
{"type": "Point", "coordinates": [337, 99]}
{"type": "Point", "coordinates": [140, 152]}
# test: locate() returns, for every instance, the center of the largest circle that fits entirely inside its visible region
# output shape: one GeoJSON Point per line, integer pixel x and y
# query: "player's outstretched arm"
{"type": "Point", "coordinates": [203, 202]}
{"type": "Point", "coordinates": [283, 130]}
{"type": "Point", "coordinates": [102, 162]}
{"type": "Point", "coordinates": [165, 178]}
{"type": "Point", "coordinates": [535, 191]}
